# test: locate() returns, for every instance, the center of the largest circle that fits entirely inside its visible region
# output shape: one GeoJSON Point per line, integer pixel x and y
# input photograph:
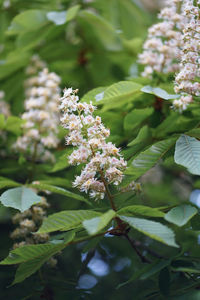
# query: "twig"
{"type": "Point", "coordinates": [142, 258]}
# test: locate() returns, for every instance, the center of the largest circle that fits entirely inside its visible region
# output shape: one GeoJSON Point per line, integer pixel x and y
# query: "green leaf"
{"type": "Point", "coordinates": [174, 123]}
{"type": "Point", "coordinates": [155, 268]}
{"type": "Point", "coordinates": [187, 153]}
{"type": "Point", "coordinates": [180, 215]}
{"type": "Point", "coordinates": [6, 182]}
{"type": "Point", "coordinates": [103, 30]}
{"type": "Point", "coordinates": [147, 159]}
{"type": "Point", "coordinates": [184, 266]}
{"type": "Point", "coordinates": [195, 222]}
{"type": "Point", "coordinates": [57, 190]}
{"type": "Point", "coordinates": [13, 124]}
{"type": "Point", "coordinates": [155, 230]}
{"type": "Point", "coordinates": [94, 95]}
{"type": "Point", "coordinates": [19, 198]}
{"type": "Point", "coordinates": [143, 135]}
{"type": "Point", "coordinates": [28, 20]}
{"type": "Point", "coordinates": [141, 210]}
{"type": "Point", "coordinates": [147, 271]}
{"type": "Point", "coordinates": [62, 161]}
{"type": "Point", "coordinates": [119, 93]}
{"type": "Point", "coordinates": [158, 92]}
{"type": "Point", "coordinates": [194, 133]}
{"type": "Point", "coordinates": [2, 121]}
{"type": "Point", "coordinates": [95, 225]}
{"type": "Point", "coordinates": [33, 257]}
{"type": "Point", "coordinates": [66, 220]}
{"type": "Point", "coordinates": [61, 17]}
{"type": "Point", "coordinates": [136, 117]}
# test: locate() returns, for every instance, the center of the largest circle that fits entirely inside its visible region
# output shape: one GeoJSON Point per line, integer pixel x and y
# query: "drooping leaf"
{"type": "Point", "coordinates": [66, 220]}
{"type": "Point", "coordinates": [141, 210]}
{"type": "Point", "coordinates": [180, 215]}
{"type": "Point", "coordinates": [187, 153]}
{"type": "Point", "coordinates": [147, 159]}
{"type": "Point", "coordinates": [33, 257]}
{"type": "Point", "coordinates": [20, 198]}
{"type": "Point", "coordinates": [153, 229]}
{"type": "Point", "coordinates": [96, 224]}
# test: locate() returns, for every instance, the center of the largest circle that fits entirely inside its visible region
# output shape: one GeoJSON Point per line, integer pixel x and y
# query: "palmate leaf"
{"type": "Point", "coordinates": [154, 230]}
{"type": "Point", "coordinates": [141, 210]}
{"type": "Point", "coordinates": [32, 257]}
{"type": "Point", "coordinates": [180, 215]}
{"type": "Point", "coordinates": [57, 190]}
{"type": "Point", "coordinates": [147, 159]}
{"type": "Point", "coordinates": [66, 220]}
{"type": "Point", "coordinates": [20, 198]}
{"type": "Point", "coordinates": [187, 153]}
{"type": "Point", "coordinates": [96, 224]}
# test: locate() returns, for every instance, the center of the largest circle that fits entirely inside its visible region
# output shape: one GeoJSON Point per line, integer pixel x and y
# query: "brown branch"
{"type": "Point", "coordinates": [131, 242]}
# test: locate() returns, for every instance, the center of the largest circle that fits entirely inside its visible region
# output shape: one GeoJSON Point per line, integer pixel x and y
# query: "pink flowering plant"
{"type": "Point", "coordinates": [100, 149]}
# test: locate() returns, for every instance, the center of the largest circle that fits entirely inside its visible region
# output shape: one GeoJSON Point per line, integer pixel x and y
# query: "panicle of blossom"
{"type": "Point", "coordinates": [41, 116]}
{"type": "Point", "coordinates": [35, 65]}
{"type": "Point", "coordinates": [28, 222]}
{"type": "Point", "coordinates": [104, 164]}
{"type": "Point", "coordinates": [5, 110]}
{"type": "Point", "coordinates": [133, 186]}
{"type": "Point", "coordinates": [187, 81]}
{"type": "Point", "coordinates": [161, 50]}
{"type": "Point", "coordinates": [4, 107]}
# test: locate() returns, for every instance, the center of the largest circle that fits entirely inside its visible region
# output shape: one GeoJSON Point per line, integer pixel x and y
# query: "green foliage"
{"type": "Point", "coordinates": [146, 236]}
{"type": "Point", "coordinates": [20, 198]}
{"type": "Point", "coordinates": [57, 190]}
{"type": "Point", "coordinates": [153, 229]}
{"type": "Point", "coordinates": [95, 225]}
{"type": "Point", "coordinates": [66, 220]}
{"type": "Point", "coordinates": [147, 159]}
{"type": "Point", "coordinates": [187, 153]}
{"type": "Point", "coordinates": [180, 215]}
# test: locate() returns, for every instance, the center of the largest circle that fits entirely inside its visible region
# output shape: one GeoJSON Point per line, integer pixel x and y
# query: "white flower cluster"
{"type": "Point", "coordinates": [4, 107]}
{"type": "Point", "coordinates": [29, 222]}
{"type": "Point", "coordinates": [104, 164]}
{"type": "Point", "coordinates": [5, 110]}
{"type": "Point", "coordinates": [187, 80]}
{"type": "Point", "coordinates": [133, 186]}
{"type": "Point", "coordinates": [41, 115]}
{"type": "Point", "coordinates": [36, 65]}
{"type": "Point", "coordinates": [161, 51]}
